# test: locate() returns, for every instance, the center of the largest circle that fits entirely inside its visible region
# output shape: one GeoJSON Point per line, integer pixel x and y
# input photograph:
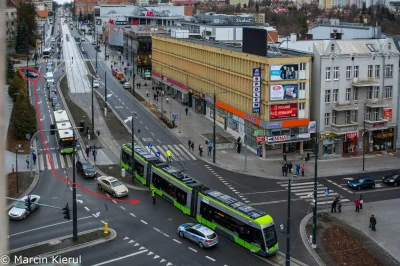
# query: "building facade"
{"type": "Point", "coordinates": [11, 23]}
{"type": "Point", "coordinates": [192, 70]}
{"type": "Point", "coordinates": [355, 95]}
{"type": "Point", "coordinates": [87, 6]}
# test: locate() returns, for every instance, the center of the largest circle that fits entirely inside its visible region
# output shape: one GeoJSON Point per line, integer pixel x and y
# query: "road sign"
{"type": "Point", "coordinates": [175, 117]}
{"type": "Point", "coordinates": [149, 146]}
{"type": "Point", "coordinates": [210, 143]}
{"type": "Point", "coordinates": [157, 154]}
{"type": "Point", "coordinates": [326, 192]}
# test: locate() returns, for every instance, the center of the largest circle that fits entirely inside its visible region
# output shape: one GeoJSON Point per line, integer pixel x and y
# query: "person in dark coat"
{"type": "Point", "coordinates": [189, 143]}
{"type": "Point", "coordinates": [290, 167]}
{"type": "Point", "coordinates": [192, 145]}
{"type": "Point", "coordinates": [333, 206]}
{"type": "Point", "coordinates": [283, 169]}
{"type": "Point", "coordinates": [372, 222]}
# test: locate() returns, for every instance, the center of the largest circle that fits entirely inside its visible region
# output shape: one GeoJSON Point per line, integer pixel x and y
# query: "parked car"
{"type": "Point", "coordinates": [52, 95]}
{"type": "Point", "coordinates": [361, 183]}
{"type": "Point", "coordinates": [30, 74]}
{"type": "Point", "coordinates": [119, 75]}
{"type": "Point", "coordinates": [19, 212]}
{"type": "Point", "coordinates": [85, 168]}
{"type": "Point", "coordinates": [198, 233]}
{"type": "Point", "coordinates": [392, 179]}
{"type": "Point", "coordinates": [94, 43]}
{"type": "Point", "coordinates": [114, 72]}
{"type": "Point", "coordinates": [54, 101]}
{"type": "Point", "coordinates": [122, 80]}
{"type": "Point", "coordinates": [96, 84]}
{"type": "Point", "coordinates": [127, 86]}
{"type": "Point", "coordinates": [112, 185]}
{"type": "Point", "coordinates": [57, 106]}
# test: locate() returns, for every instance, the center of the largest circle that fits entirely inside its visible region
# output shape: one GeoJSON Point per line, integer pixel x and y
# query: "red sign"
{"type": "Point", "coordinates": [260, 139]}
{"type": "Point", "coordinates": [352, 135]}
{"type": "Point", "coordinates": [278, 111]}
{"type": "Point", "coordinates": [387, 113]}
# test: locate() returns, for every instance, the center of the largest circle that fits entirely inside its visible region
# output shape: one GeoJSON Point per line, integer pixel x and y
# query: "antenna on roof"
{"type": "Point", "coordinates": [184, 167]}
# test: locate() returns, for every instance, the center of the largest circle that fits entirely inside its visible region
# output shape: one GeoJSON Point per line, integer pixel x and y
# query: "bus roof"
{"type": "Point", "coordinates": [182, 177]}
{"type": "Point", "coordinates": [63, 125]}
{"type": "Point", "coordinates": [235, 204]}
{"type": "Point", "coordinates": [66, 133]}
{"type": "Point", "coordinates": [61, 116]}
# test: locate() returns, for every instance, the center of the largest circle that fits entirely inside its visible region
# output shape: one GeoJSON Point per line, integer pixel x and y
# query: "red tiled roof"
{"type": "Point", "coordinates": [42, 13]}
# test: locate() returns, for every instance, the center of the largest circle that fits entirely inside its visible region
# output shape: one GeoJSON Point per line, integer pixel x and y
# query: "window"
{"type": "Point", "coordinates": [372, 47]}
{"type": "Point", "coordinates": [376, 92]}
{"type": "Point", "coordinates": [172, 190]}
{"type": "Point", "coordinates": [347, 117]}
{"type": "Point", "coordinates": [368, 114]}
{"type": "Point", "coordinates": [370, 70]}
{"type": "Point", "coordinates": [376, 114]}
{"type": "Point", "coordinates": [327, 96]}
{"type": "Point", "coordinates": [336, 73]}
{"type": "Point", "coordinates": [302, 86]}
{"type": "Point", "coordinates": [389, 71]}
{"type": "Point", "coordinates": [328, 73]}
{"type": "Point", "coordinates": [355, 74]}
{"type": "Point", "coordinates": [348, 72]}
{"type": "Point", "coordinates": [334, 117]}
{"type": "Point", "coordinates": [335, 95]}
{"type": "Point", "coordinates": [302, 106]}
{"type": "Point", "coordinates": [377, 71]}
{"type": "Point", "coordinates": [388, 91]}
{"type": "Point", "coordinates": [355, 94]}
{"type": "Point", "coordinates": [332, 48]}
{"type": "Point", "coordinates": [369, 93]}
{"type": "Point", "coordinates": [354, 115]}
{"type": "Point", "coordinates": [302, 66]}
{"type": "Point", "coordinates": [326, 120]}
{"type": "Point", "coordinates": [348, 92]}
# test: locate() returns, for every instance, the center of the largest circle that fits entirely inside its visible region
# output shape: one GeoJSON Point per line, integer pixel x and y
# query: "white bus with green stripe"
{"type": "Point", "coordinates": [64, 134]}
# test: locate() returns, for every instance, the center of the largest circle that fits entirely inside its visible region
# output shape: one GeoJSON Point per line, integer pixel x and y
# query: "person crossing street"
{"type": "Point", "coordinates": [168, 153]}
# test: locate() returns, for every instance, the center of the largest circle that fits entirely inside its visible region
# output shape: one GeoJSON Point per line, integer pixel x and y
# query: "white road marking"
{"type": "Point", "coordinates": [146, 127]}
{"type": "Point", "coordinates": [141, 122]}
{"type": "Point", "coordinates": [210, 258]}
{"type": "Point", "coordinates": [69, 164]}
{"type": "Point", "coordinates": [158, 230]}
{"type": "Point", "coordinates": [86, 208]}
{"type": "Point", "coordinates": [114, 201]}
{"type": "Point", "coordinates": [158, 140]}
{"type": "Point", "coordinates": [152, 134]}
{"type": "Point", "coordinates": [103, 222]}
{"type": "Point", "coordinates": [166, 235]}
{"type": "Point", "coordinates": [62, 162]}
{"type": "Point", "coordinates": [107, 195]}
{"type": "Point", "coordinates": [120, 258]}
{"type": "Point", "coordinates": [192, 249]}
{"type": "Point", "coordinates": [122, 208]}
{"type": "Point", "coordinates": [143, 221]}
{"type": "Point", "coordinates": [179, 242]}
{"type": "Point", "coordinates": [132, 214]}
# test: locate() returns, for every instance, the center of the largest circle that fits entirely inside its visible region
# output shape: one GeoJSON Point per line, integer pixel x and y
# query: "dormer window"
{"type": "Point", "coordinates": [332, 48]}
{"type": "Point", "coordinates": [372, 48]}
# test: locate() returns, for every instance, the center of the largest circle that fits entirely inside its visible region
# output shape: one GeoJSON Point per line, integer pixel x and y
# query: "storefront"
{"type": "Point", "coordinates": [175, 89]}
{"type": "Point", "coordinates": [331, 144]}
{"type": "Point", "coordinates": [198, 102]}
{"type": "Point", "coordinates": [350, 143]}
{"type": "Point", "coordinates": [383, 140]}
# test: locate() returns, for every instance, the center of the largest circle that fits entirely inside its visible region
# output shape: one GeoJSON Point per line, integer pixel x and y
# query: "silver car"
{"type": "Point", "coordinates": [112, 185]}
{"type": "Point", "coordinates": [19, 212]}
{"type": "Point", "coordinates": [198, 233]}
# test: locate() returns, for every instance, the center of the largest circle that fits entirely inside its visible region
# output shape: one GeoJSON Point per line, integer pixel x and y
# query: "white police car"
{"type": "Point", "coordinates": [198, 233]}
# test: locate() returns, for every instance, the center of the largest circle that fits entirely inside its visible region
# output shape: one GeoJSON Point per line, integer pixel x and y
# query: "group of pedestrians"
{"type": "Point", "coordinates": [287, 167]}
{"type": "Point", "coordinates": [89, 149]}
{"type": "Point", "coordinates": [336, 203]}
{"type": "Point", "coordinates": [138, 85]}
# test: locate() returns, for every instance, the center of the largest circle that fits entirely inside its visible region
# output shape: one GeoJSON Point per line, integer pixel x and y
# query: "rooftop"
{"type": "Point", "coordinates": [182, 177]}
{"type": "Point", "coordinates": [349, 47]}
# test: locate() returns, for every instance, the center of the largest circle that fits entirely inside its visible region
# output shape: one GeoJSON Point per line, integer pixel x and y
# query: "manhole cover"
{"type": "Point", "coordinates": [54, 242]}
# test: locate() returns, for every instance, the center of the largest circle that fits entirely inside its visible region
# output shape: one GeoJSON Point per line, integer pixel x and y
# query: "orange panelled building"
{"type": "Point", "coordinates": [86, 6]}
{"type": "Point", "coordinates": [264, 98]}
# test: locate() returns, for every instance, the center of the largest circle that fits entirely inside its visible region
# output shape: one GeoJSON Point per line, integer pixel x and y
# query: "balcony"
{"type": "Point", "coordinates": [376, 103]}
{"type": "Point", "coordinates": [344, 106]}
{"type": "Point", "coordinates": [371, 82]}
{"type": "Point", "coordinates": [343, 129]}
{"type": "Point", "coordinates": [376, 125]}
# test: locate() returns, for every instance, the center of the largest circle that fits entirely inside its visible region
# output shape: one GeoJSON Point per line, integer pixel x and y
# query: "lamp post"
{"type": "Point", "coordinates": [314, 238]}
{"type": "Point", "coordinates": [133, 144]}
{"type": "Point", "coordinates": [92, 110]}
{"type": "Point", "coordinates": [105, 93]}
{"type": "Point", "coordinates": [16, 165]}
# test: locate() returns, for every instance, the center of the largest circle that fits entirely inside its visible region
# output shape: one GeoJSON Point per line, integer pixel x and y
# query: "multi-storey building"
{"type": "Point", "coordinates": [11, 23]}
{"type": "Point", "coordinates": [192, 70]}
{"type": "Point", "coordinates": [86, 6]}
{"type": "Point", "coordinates": [49, 4]}
{"type": "Point", "coordinates": [355, 95]}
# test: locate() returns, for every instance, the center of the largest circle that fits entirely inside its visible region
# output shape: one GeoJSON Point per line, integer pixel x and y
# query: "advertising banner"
{"type": "Point", "coordinates": [284, 72]}
{"type": "Point", "coordinates": [283, 92]}
{"type": "Point", "coordinates": [312, 127]}
{"type": "Point", "coordinates": [256, 90]}
{"type": "Point", "coordinates": [279, 111]}
{"type": "Point", "coordinates": [387, 113]}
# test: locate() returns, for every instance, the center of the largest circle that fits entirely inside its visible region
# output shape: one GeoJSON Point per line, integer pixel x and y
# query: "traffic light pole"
{"type": "Point", "coordinates": [40, 204]}
{"type": "Point", "coordinates": [92, 111]}
{"type": "Point", "coordinates": [74, 205]}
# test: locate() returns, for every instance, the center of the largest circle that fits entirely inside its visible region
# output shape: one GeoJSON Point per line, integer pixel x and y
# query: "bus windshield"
{"type": "Point", "coordinates": [66, 143]}
{"type": "Point", "coordinates": [270, 236]}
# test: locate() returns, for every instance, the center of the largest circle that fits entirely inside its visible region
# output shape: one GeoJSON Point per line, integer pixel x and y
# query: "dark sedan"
{"type": "Point", "coordinates": [86, 169]}
{"type": "Point", "coordinates": [392, 179]}
{"type": "Point", "coordinates": [361, 183]}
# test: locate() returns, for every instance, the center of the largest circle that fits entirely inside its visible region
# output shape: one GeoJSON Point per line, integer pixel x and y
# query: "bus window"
{"type": "Point", "coordinates": [170, 189]}
{"type": "Point", "coordinates": [125, 157]}
{"type": "Point", "coordinates": [138, 168]}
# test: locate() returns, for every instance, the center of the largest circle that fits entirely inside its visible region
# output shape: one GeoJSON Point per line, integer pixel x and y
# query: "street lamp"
{"type": "Point", "coordinates": [282, 227]}
{"type": "Point", "coordinates": [314, 238]}
{"type": "Point", "coordinates": [16, 164]}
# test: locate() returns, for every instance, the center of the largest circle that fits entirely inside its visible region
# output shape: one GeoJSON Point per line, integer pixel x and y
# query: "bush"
{"type": "Point", "coordinates": [23, 117]}
{"type": "Point", "coordinates": [10, 69]}
{"type": "Point", "coordinates": [17, 87]}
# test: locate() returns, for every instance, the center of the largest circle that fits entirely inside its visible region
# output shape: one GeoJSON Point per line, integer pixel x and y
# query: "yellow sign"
{"type": "Point", "coordinates": [37, 43]}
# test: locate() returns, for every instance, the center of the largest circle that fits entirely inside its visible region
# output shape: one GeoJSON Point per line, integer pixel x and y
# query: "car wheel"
{"type": "Point", "coordinates": [114, 195]}
{"type": "Point", "coordinates": [23, 217]}
{"type": "Point", "coordinates": [373, 186]}
{"type": "Point", "coordinates": [201, 245]}
{"type": "Point", "coordinates": [181, 234]}
{"type": "Point", "coordinates": [99, 186]}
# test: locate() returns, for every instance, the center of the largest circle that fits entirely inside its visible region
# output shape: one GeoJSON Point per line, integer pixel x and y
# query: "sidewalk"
{"type": "Point", "coordinates": [387, 233]}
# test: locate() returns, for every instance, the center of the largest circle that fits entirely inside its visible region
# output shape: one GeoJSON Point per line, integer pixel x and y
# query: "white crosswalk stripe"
{"type": "Point", "coordinates": [187, 151]}
{"type": "Point", "coordinates": [62, 162]}
{"type": "Point", "coordinates": [69, 160]}
{"type": "Point", "coordinates": [54, 161]}
{"type": "Point", "coordinates": [48, 162]}
{"type": "Point", "coordinates": [305, 190]}
{"type": "Point", "coordinates": [41, 162]}
{"type": "Point", "coordinates": [175, 155]}
{"type": "Point", "coordinates": [162, 158]}
{"type": "Point", "coordinates": [179, 152]}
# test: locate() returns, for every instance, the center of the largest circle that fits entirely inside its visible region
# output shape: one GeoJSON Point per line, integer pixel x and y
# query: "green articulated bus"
{"type": "Point", "coordinates": [248, 227]}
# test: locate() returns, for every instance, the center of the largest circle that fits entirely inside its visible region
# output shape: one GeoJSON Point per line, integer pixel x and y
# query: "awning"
{"type": "Point", "coordinates": [288, 141]}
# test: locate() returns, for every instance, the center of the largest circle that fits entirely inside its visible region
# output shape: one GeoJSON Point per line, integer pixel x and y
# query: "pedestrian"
{"type": "Point", "coordinates": [145, 85]}
{"type": "Point", "coordinates": [155, 96]}
{"type": "Point", "coordinates": [153, 195]}
{"type": "Point", "coordinates": [167, 99]}
{"type": "Point", "coordinates": [339, 206]}
{"type": "Point", "coordinates": [189, 143]}
{"type": "Point", "coordinates": [87, 151]}
{"type": "Point", "coordinates": [361, 201]}
{"type": "Point", "coordinates": [168, 152]}
{"type": "Point", "coordinates": [152, 88]}
{"type": "Point", "coordinates": [34, 158]}
{"type": "Point", "coordinates": [333, 206]}
{"type": "Point", "coordinates": [303, 168]}
{"type": "Point", "coordinates": [200, 150]}
{"type": "Point", "coordinates": [357, 203]}
{"type": "Point", "coordinates": [297, 169]}
{"type": "Point", "coordinates": [186, 110]}
{"type": "Point", "coordinates": [372, 223]}
{"type": "Point", "coordinates": [27, 162]}
{"type": "Point", "coordinates": [209, 150]}
{"type": "Point", "coordinates": [139, 85]}
{"type": "Point", "coordinates": [94, 153]}
{"type": "Point", "coordinates": [283, 169]}
{"type": "Point", "coordinates": [284, 157]}
{"type": "Point", "coordinates": [290, 167]}
{"type": "Point", "coordinates": [192, 145]}
{"type": "Point", "coordinates": [147, 93]}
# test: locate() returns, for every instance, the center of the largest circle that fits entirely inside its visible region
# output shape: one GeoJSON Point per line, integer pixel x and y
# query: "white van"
{"type": "Point", "coordinates": [49, 77]}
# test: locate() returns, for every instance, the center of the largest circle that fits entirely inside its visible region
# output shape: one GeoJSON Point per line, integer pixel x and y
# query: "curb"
{"type": "Point", "coordinates": [112, 236]}
{"type": "Point", "coordinates": [28, 191]}
{"type": "Point", "coordinates": [306, 243]}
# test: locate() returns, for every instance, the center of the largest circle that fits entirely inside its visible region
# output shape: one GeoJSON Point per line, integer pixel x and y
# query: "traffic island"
{"type": "Point", "coordinates": [54, 247]}
{"type": "Point", "coordinates": [342, 244]}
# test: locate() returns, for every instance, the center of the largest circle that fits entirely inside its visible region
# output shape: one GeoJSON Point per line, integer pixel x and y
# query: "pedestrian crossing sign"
{"type": "Point", "coordinates": [326, 192]}
{"type": "Point", "coordinates": [157, 154]}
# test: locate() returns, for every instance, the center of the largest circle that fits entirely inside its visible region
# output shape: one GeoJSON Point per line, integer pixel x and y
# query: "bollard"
{"type": "Point", "coordinates": [123, 172]}
{"type": "Point", "coordinates": [105, 228]}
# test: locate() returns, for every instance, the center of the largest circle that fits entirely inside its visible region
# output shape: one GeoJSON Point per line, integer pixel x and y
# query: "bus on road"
{"type": "Point", "coordinates": [64, 134]}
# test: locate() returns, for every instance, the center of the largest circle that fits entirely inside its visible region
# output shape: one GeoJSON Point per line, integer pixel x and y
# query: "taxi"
{"type": "Point", "coordinates": [198, 233]}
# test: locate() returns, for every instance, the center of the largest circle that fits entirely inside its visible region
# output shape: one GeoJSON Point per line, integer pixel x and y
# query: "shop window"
{"type": "Point", "coordinates": [294, 130]}
{"type": "Point", "coordinates": [170, 189]}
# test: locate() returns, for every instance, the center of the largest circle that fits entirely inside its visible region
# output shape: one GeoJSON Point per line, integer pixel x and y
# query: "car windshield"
{"type": "Point", "coordinates": [88, 167]}
{"type": "Point", "coordinates": [212, 236]}
{"type": "Point", "coordinates": [116, 183]}
{"type": "Point", "coordinates": [20, 205]}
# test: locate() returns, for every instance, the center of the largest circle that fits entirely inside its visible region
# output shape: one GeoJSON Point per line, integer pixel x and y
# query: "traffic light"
{"type": "Point", "coordinates": [66, 211]}
{"type": "Point", "coordinates": [28, 204]}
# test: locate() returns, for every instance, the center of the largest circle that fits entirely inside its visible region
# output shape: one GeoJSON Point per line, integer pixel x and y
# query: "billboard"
{"type": "Point", "coordinates": [255, 41]}
{"type": "Point", "coordinates": [283, 92]}
{"type": "Point", "coordinates": [284, 72]}
{"type": "Point", "coordinates": [279, 111]}
{"type": "Point", "coordinates": [387, 113]}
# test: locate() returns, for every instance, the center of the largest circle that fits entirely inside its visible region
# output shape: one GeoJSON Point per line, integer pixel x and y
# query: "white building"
{"type": "Point", "coordinates": [49, 4]}
{"type": "Point", "coordinates": [355, 95]}
{"type": "Point", "coordinates": [11, 23]}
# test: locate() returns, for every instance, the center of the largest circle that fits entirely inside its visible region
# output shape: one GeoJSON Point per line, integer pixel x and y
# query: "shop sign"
{"type": "Point", "coordinates": [387, 113]}
{"type": "Point", "coordinates": [303, 135]}
{"type": "Point", "coordinates": [250, 118]}
{"type": "Point", "coordinates": [256, 90]}
{"type": "Point", "coordinates": [352, 135]}
{"type": "Point", "coordinates": [274, 125]}
{"type": "Point", "coordinates": [277, 138]}
{"type": "Point", "coordinates": [312, 127]}
{"type": "Point", "coordinates": [278, 111]}
{"type": "Point", "coordinates": [283, 92]}
{"type": "Point", "coordinates": [258, 132]}
{"type": "Point", "coordinates": [379, 125]}
{"type": "Point", "coordinates": [260, 139]}
{"type": "Point", "coordinates": [197, 94]}
{"type": "Point", "coordinates": [210, 99]}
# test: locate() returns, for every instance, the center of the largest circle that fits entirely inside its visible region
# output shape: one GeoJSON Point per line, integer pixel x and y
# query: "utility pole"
{"type": "Point", "coordinates": [96, 39]}
{"type": "Point", "coordinates": [214, 137]}
{"type": "Point", "coordinates": [27, 65]}
{"type": "Point", "coordinates": [74, 207]}
{"type": "Point", "coordinates": [314, 238]}
{"type": "Point", "coordinates": [92, 112]}
{"type": "Point", "coordinates": [105, 93]}
{"type": "Point", "coordinates": [133, 146]}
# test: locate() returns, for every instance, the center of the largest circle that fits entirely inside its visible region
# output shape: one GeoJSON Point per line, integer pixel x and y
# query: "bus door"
{"type": "Point", "coordinates": [193, 203]}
